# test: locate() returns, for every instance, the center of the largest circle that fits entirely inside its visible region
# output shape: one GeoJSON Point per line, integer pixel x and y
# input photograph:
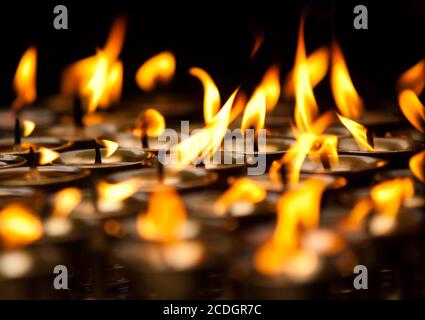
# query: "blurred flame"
{"type": "Point", "coordinates": [355, 219]}
{"type": "Point", "coordinates": [211, 94]}
{"type": "Point", "coordinates": [207, 140]}
{"type": "Point", "coordinates": [24, 82]}
{"type": "Point", "coordinates": [346, 97]}
{"type": "Point", "coordinates": [66, 200]}
{"type": "Point", "coordinates": [258, 41]}
{"type": "Point", "coordinates": [99, 78]}
{"type": "Point", "coordinates": [47, 155]}
{"type": "Point", "coordinates": [255, 111]}
{"type": "Point", "coordinates": [242, 190]}
{"type": "Point", "coordinates": [297, 209]}
{"type": "Point", "coordinates": [29, 127]}
{"type": "Point", "coordinates": [151, 121]}
{"type": "Point", "coordinates": [358, 131]}
{"type": "Point", "coordinates": [417, 165]}
{"type": "Point", "coordinates": [166, 213]}
{"type": "Point", "coordinates": [117, 192]}
{"type": "Point", "coordinates": [271, 86]}
{"type": "Point", "coordinates": [110, 146]}
{"type": "Point", "coordinates": [19, 226]}
{"type": "Point", "coordinates": [157, 69]}
{"type": "Point", "coordinates": [414, 78]}
{"type": "Point", "coordinates": [412, 109]}
{"type": "Point", "coordinates": [318, 64]}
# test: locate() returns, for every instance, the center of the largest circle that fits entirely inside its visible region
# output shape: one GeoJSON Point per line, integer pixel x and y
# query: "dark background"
{"type": "Point", "coordinates": [217, 36]}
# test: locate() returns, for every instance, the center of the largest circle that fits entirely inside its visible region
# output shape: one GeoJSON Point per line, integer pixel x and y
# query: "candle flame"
{"type": "Point", "coordinates": [211, 94]}
{"type": "Point", "coordinates": [417, 165]}
{"type": "Point", "coordinates": [258, 41]}
{"type": "Point", "coordinates": [242, 190]}
{"type": "Point", "coordinates": [356, 218]}
{"type": "Point", "coordinates": [412, 109]}
{"type": "Point", "coordinates": [414, 78]}
{"type": "Point", "coordinates": [297, 209]}
{"type": "Point", "coordinates": [66, 200]}
{"type": "Point", "coordinates": [24, 82]}
{"type": "Point", "coordinates": [157, 69]}
{"type": "Point", "coordinates": [255, 111]}
{"type": "Point", "coordinates": [271, 86]}
{"type": "Point", "coordinates": [117, 192]}
{"type": "Point", "coordinates": [358, 132]}
{"type": "Point", "coordinates": [165, 215]}
{"type": "Point", "coordinates": [110, 146]}
{"type": "Point", "coordinates": [29, 127]}
{"type": "Point", "coordinates": [151, 121]}
{"type": "Point", "coordinates": [19, 226]}
{"type": "Point", "coordinates": [47, 155]}
{"type": "Point", "coordinates": [345, 95]}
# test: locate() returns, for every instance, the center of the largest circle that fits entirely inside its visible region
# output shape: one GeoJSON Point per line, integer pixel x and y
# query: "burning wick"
{"type": "Point", "coordinates": [31, 159]}
{"type": "Point", "coordinates": [17, 134]}
{"type": "Point", "coordinates": [33, 173]}
{"type": "Point", "coordinates": [144, 141]}
{"type": "Point", "coordinates": [160, 172]}
{"type": "Point", "coordinates": [255, 139]}
{"type": "Point", "coordinates": [284, 175]}
{"type": "Point", "coordinates": [369, 137]}
{"type": "Point", "coordinates": [324, 158]}
{"type": "Point", "coordinates": [98, 156]}
{"type": "Point", "coordinates": [78, 112]}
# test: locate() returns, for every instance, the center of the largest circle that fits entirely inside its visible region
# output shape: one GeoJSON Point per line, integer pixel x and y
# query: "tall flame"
{"type": "Point", "coordinates": [271, 86]}
{"type": "Point", "coordinates": [157, 69]}
{"type": "Point", "coordinates": [166, 213]}
{"type": "Point", "coordinates": [412, 109]}
{"type": "Point", "coordinates": [151, 121]}
{"type": "Point", "coordinates": [414, 78]}
{"type": "Point", "coordinates": [29, 127]}
{"type": "Point", "coordinates": [417, 165]}
{"type": "Point", "coordinates": [24, 82]}
{"type": "Point", "coordinates": [47, 155]}
{"type": "Point", "coordinates": [66, 200]}
{"type": "Point", "coordinates": [297, 208]}
{"type": "Point", "coordinates": [211, 94]}
{"type": "Point", "coordinates": [242, 190]}
{"type": "Point", "coordinates": [19, 226]}
{"type": "Point", "coordinates": [358, 131]}
{"type": "Point", "coordinates": [346, 97]}
{"type": "Point", "coordinates": [255, 111]}
{"type": "Point", "coordinates": [318, 65]}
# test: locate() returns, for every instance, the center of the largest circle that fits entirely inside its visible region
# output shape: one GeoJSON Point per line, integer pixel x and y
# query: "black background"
{"type": "Point", "coordinates": [217, 36]}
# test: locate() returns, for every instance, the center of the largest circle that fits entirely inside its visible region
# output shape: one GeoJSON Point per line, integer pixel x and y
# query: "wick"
{"type": "Point", "coordinates": [326, 163]}
{"type": "Point", "coordinates": [369, 137]}
{"type": "Point", "coordinates": [33, 174]}
{"type": "Point", "coordinates": [77, 112]}
{"type": "Point", "coordinates": [144, 141]}
{"type": "Point", "coordinates": [160, 172]}
{"type": "Point", "coordinates": [284, 176]}
{"type": "Point", "coordinates": [255, 140]}
{"type": "Point", "coordinates": [97, 154]}
{"type": "Point", "coordinates": [31, 158]}
{"type": "Point", "coordinates": [17, 133]}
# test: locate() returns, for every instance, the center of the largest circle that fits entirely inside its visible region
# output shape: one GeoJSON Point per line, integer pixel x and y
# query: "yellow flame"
{"type": "Point", "coordinates": [271, 86]}
{"type": "Point", "coordinates": [47, 155]}
{"type": "Point", "coordinates": [417, 165]}
{"type": "Point", "coordinates": [255, 111]}
{"type": "Point", "coordinates": [166, 213]}
{"type": "Point", "coordinates": [345, 95]}
{"type": "Point", "coordinates": [414, 78]}
{"type": "Point", "coordinates": [297, 208]}
{"type": "Point", "coordinates": [110, 146]}
{"type": "Point", "coordinates": [66, 200]}
{"type": "Point", "coordinates": [19, 226]}
{"type": "Point", "coordinates": [412, 109]}
{"type": "Point", "coordinates": [24, 82]}
{"type": "Point", "coordinates": [29, 127]}
{"type": "Point", "coordinates": [211, 94]}
{"type": "Point", "coordinates": [157, 69]}
{"type": "Point", "coordinates": [318, 65]}
{"type": "Point", "coordinates": [117, 192]}
{"type": "Point", "coordinates": [358, 131]}
{"type": "Point", "coordinates": [356, 218]}
{"type": "Point", "coordinates": [242, 190]}
{"type": "Point", "coordinates": [150, 122]}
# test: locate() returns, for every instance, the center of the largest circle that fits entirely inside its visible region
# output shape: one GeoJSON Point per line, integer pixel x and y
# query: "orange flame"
{"type": "Point", "coordinates": [346, 97]}
{"type": "Point", "coordinates": [29, 127]}
{"type": "Point", "coordinates": [358, 131]}
{"type": "Point", "coordinates": [242, 190]}
{"type": "Point", "coordinates": [271, 86]}
{"type": "Point", "coordinates": [255, 111]}
{"type": "Point", "coordinates": [412, 109]}
{"type": "Point", "coordinates": [110, 146]}
{"type": "Point", "coordinates": [211, 94]}
{"type": "Point", "coordinates": [98, 78]}
{"type": "Point", "coordinates": [258, 41]}
{"type": "Point", "coordinates": [296, 208]}
{"type": "Point", "coordinates": [158, 69]}
{"type": "Point", "coordinates": [47, 155]}
{"type": "Point", "coordinates": [117, 192]}
{"type": "Point", "coordinates": [150, 122]}
{"type": "Point", "coordinates": [417, 165]}
{"type": "Point", "coordinates": [414, 78]}
{"type": "Point", "coordinates": [318, 64]}
{"type": "Point", "coordinates": [166, 214]}
{"type": "Point", "coordinates": [66, 200]}
{"type": "Point", "coordinates": [19, 226]}
{"type": "Point", "coordinates": [25, 78]}
{"type": "Point", "coordinates": [355, 219]}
